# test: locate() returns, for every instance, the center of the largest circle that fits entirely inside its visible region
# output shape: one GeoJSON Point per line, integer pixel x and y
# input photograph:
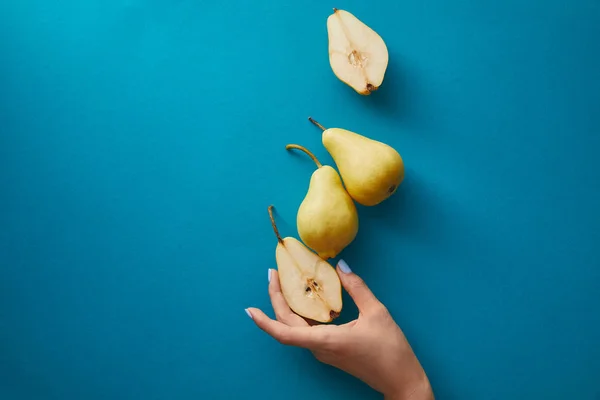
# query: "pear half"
{"type": "Point", "coordinates": [310, 285]}
{"type": "Point", "coordinates": [357, 54]}
{"type": "Point", "coordinates": [371, 170]}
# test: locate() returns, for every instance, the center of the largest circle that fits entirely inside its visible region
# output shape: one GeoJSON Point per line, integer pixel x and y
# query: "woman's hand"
{"type": "Point", "coordinates": [371, 348]}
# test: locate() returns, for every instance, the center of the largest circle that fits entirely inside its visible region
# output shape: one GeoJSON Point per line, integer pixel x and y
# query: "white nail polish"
{"type": "Point", "coordinates": [270, 272]}
{"type": "Point", "coordinates": [248, 312]}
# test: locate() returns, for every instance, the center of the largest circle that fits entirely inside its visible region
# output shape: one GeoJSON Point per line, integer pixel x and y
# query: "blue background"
{"type": "Point", "coordinates": [141, 142]}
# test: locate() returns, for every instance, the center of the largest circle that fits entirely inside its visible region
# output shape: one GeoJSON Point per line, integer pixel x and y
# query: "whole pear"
{"type": "Point", "coordinates": [371, 170]}
{"type": "Point", "coordinates": [327, 219]}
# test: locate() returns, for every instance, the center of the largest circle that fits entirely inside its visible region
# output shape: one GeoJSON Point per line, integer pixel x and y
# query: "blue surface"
{"type": "Point", "coordinates": [141, 142]}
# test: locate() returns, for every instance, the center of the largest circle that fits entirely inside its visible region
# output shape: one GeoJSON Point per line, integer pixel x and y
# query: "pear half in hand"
{"type": "Point", "coordinates": [371, 170]}
{"type": "Point", "coordinates": [327, 218]}
{"type": "Point", "coordinates": [357, 54]}
{"type": "Point", "coordinates": [310, 285]}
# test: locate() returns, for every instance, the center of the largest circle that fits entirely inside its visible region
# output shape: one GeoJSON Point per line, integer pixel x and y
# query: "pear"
{"type": "Point", "coordinates": [357, 54]}
{"type": "Point", "coordinates": [309, 284]}
{"type": "Point", "coordinates": [371, 170]}
{"type": "Point", "coordinates": [327, 218]}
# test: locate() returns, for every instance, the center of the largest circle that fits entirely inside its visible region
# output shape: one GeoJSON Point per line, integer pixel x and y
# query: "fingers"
{"type": "Point", "coordinates": [283, 313]}
{"type": "Point", "coordinates": [364, 299]}
{"type": "Point", "coordinates": [305, 337]}
{"type": "Point", "coordinates": [349, 324]}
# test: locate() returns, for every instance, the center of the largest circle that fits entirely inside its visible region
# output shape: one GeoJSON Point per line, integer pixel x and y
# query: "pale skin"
{"type": "Point", "coordinates": [371, 348]}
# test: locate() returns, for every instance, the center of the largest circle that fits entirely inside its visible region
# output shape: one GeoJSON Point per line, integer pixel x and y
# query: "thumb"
{"type": "Point", "coordinates": [364, 299]}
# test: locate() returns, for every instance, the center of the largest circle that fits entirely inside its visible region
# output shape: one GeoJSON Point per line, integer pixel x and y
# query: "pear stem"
{"type": "Point", "coordinates": [279, 239]}
{"type": "Point", "coordinates": [316, 123]}
{"type": "Point", "coordinates": [304, 149]}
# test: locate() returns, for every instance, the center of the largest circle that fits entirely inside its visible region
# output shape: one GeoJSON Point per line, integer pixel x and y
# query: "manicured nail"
{"type": "Point", "coordinates": [344, 267]}
{"type": "Point", "coordinates": [248, 312]}
{"type": "Point", "coordinates": [270, 270]}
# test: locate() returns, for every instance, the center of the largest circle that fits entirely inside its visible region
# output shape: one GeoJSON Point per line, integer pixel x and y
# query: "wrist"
{"type": "Point", "coordinates": [422, 391]}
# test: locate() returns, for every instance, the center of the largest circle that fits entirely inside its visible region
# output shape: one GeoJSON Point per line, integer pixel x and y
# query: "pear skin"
{"type": "Point", "coordinates": [371, 170]}
{"type": "Point", "coordinates": [327, 218]}
{"type": "Point", "coordinates": [310, 285]}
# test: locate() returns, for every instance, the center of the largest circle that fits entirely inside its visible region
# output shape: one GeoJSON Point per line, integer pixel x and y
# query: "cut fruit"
{"type": "Point", "coordinates": [357, 54]}
{"type": "Point", "coordinates": [310, 285]}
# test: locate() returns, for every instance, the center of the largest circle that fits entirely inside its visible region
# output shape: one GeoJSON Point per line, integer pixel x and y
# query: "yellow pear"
{"type": "Point", "coordinates": [327, 218]}
{"type": "Point", "coordinates": [310, 285]}
{"type": "Point", "coordinates": [371, 170]}
{"type": "Point", "coordinates": [357, 54]}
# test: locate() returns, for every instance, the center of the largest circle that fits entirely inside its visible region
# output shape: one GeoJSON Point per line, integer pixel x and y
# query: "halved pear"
{"type": "Point", "coordinates": [310, 285]}
{"type": "Point", "coordinates": [357, 54]}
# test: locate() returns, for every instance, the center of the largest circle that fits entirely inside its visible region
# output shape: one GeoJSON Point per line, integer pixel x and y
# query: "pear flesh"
{"type": "Point", "coordinates": [371, 170]}
{"type": "Point", "coordinates": [327, 218]}
{"type": "Point", "coordinates": [311, 286]}
{"type": "Point", "coordinates": [357, 54]}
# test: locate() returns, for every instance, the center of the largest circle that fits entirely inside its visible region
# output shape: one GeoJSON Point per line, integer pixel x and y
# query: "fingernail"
{"type": "Point", "coordinates": [270, 274]}
{"type": "Point", "coordinates": [248, 312]}
{"type": "Point", "coordinates": [344, 267]}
